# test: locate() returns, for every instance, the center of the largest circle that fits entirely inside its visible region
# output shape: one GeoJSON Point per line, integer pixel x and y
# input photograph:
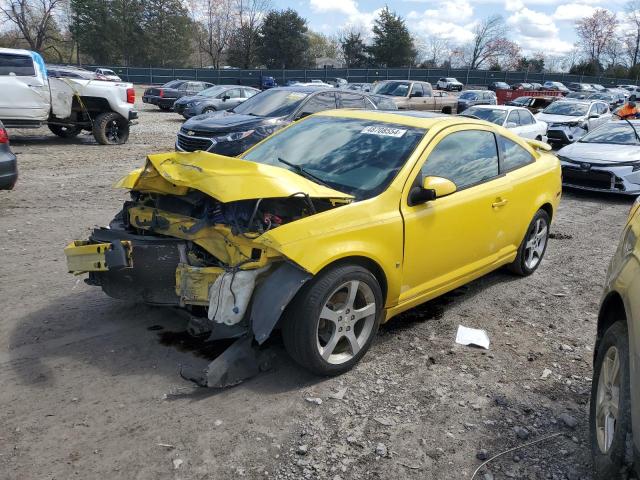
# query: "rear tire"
{"type": "Point", "coordinates": [208, 110]}
{"type": "Point", "coordinates": [110, 128]}
{"type": "Point", "coordinates": [611, 435]}
{"type": "Point", "coordinates": [533, 246]}
{"type": "Point", "coordinates": [333, 320]}
{"type": "Point", "coordinates": [64, 131]}
{"type": "Point", "coordinates": [446, 110]}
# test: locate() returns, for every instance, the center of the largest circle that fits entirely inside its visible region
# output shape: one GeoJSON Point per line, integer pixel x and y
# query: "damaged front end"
{"type": "Point", "coordinates": [191, 236]}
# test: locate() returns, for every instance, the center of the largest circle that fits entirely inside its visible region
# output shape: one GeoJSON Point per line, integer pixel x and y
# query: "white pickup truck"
{"type": "Point", "coordinates": [29, 98]}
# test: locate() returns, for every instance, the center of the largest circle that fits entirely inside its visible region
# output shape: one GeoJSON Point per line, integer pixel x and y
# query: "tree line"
{"type": "Point", "coordinates": [251, 33]}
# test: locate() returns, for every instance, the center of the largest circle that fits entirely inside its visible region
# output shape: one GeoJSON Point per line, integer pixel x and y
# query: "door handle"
{"type": "Point", "coordinates": [500, 202]}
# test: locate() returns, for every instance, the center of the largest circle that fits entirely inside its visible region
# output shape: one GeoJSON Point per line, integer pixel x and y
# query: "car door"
{"type": "Point", "coordinates": [232, 98]}
{"type": "Point", "coordinates": [24, 87]}
{"type": "Point", "coordinates": [513, 122]}
{"type": "Point", "coordinates": [452, 239]}
{"type": "Point", "coordinates": [531, 128]}
{"type": "Point", "coordinates": [417, 99]}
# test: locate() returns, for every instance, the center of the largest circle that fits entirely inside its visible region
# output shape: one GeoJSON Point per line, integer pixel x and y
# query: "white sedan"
{"type": "Point", "coordinates": [518, 119]}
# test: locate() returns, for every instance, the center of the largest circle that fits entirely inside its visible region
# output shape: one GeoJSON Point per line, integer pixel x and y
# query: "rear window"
{"type": "Point", "coordinates": [21, 65]}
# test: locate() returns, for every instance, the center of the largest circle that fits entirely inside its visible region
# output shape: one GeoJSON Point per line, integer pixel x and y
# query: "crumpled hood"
{"type": "Point", "coordinates": [601, 153]}
{"type": "Point", "coordinates": [550, 118]}
{"type": "Point", "coordinates": [226, 179]}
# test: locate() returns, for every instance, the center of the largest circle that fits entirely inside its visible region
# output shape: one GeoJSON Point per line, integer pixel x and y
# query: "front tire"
{"type": "Point", "coordinates": [333, 320]}
{"type": "Point", "coordinates": [208, 110]}
{"type": "Point", "coordinates": [533, 246]}
{"type": "Point", "coordinates": [65, 132]}
{"type": "Point", "coordinates": [110, 128]}
{"type": "Point", "coordinates": [610, 411]}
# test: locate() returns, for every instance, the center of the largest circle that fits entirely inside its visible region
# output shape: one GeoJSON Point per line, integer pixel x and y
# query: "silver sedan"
{"type": "Point", "coordinates": [605, 160]}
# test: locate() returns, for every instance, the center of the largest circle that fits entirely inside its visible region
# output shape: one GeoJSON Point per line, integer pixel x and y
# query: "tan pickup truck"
{"type": "Point", "coordinates": [414, 95]}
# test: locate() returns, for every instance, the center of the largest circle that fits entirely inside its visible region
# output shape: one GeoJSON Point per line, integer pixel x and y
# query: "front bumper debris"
{"type": "Point", "coordinates": [565, 134]}
{"type": "Point", "coordinates": [84, 256]}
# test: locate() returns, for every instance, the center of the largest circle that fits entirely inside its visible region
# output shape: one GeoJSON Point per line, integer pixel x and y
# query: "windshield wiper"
{"type": "Point", "coordinates": [634, 128]}
{"type": "Point", "coordinates": [301, 171]}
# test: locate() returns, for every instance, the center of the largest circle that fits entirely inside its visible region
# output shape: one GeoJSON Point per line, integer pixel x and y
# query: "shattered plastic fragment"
{"type": "Point", "coordinates": [472, 336]}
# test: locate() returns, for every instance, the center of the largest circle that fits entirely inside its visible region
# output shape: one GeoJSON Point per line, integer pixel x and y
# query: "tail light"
{"type": "Point", "coordinates": [161, 94]}
{"type": "Point", "coordinates": [4, 136]}
{"type": "Point", "coordinates": [131, 95]}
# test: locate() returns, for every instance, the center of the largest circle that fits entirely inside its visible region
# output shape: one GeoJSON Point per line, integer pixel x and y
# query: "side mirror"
{"type": "Point", "coordinates": [415, 94]}
{"type": "Point", "coordinates": [432, 188]}
{"type": "Point", "coordinates": [511, 125]}
{"type": "Point", "coordinates": [225, 98]}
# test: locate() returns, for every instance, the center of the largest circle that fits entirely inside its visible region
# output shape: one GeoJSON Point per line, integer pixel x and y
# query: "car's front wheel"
{"type": "Point", "coordinates": [331, 323]}
{"type": "Point", "coordinates": [609, 412]}
{"type": "Point", "coordinates": [533, 246]}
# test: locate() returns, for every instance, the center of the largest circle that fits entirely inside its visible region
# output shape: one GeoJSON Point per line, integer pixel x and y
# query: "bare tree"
{"type": "Point", "coordinates": [434, 51]}
{"type": "Point", "coordinates": [595, 33]}
{"type": "Point", "coordinates": [632, 35]}
{"type": "Point", "coordinates": [34, 19]}
{"type": "Point", "coordinates": [250, 14]}
{"type": "Point", "coordinates": [486, 35]}
{"type": "Point", "coordinates": [218, 21]}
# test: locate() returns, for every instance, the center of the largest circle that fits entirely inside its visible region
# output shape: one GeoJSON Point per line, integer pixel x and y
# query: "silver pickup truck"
{"type": "Point", "coordinates": [29, 98]}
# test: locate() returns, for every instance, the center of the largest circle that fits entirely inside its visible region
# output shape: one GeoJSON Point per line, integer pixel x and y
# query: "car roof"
{"type": "Point", "coordinates": [410, 118]}
{"type": "Point", "coordinates": [498, 107]}
{"type": "Point", "coordinates": [302, 88]}
{"type": "Point", "coordinates": [585, 101]}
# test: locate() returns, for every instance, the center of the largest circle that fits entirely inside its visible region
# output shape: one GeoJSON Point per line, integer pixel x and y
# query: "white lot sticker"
{"type": "Point", "coordinates": [384, 131]}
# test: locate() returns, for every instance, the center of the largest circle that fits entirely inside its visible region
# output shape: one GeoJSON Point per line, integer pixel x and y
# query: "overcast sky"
{"type": "Point", "coordinates": [537, 25]}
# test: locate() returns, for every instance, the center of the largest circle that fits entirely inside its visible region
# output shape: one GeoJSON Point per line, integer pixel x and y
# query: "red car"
{"type": "Point", "coordinates": [8, 162]}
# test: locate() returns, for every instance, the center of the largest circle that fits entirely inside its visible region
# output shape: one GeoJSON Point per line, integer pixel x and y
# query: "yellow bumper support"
{"type": "Point", "coordinates": [83, 256]}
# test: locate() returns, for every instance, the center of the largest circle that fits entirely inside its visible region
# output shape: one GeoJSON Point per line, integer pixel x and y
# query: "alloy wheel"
{"type": "Point", "coordinates": [608, 399]}
{"type": "Point", "coordinates": [113, 131]}
{"type": "Point", "coordinates": [346, 322]}
{"type": "Point", "coordinates": [536, 243]}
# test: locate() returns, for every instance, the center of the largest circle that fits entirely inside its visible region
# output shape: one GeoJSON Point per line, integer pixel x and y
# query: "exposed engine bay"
{"type": "Point", "coordinates": [194, 235]}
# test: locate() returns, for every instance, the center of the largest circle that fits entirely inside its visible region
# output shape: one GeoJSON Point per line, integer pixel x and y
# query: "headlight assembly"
{"type": "Point", "coordinates": [234, 136]}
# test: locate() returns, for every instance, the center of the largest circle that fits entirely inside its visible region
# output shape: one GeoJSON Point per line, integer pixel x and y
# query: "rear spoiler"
{"type": "Point", "coordinates": [538, 145]}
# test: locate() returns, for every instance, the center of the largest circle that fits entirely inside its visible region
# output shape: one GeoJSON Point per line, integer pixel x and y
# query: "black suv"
{"type": "Point", "coordinates": [232, 132]}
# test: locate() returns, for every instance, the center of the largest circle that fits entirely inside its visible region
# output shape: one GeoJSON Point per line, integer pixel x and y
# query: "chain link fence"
{"type": "Point", "coordinates": [158, 76]}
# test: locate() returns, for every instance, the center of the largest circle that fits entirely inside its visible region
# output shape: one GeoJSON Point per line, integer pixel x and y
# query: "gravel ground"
{"type": "Point", "coordinates": [91, 386]}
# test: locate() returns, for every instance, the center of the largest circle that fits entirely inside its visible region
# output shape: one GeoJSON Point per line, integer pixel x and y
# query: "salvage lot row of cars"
{"type": "Point", "coordinates": [318, 227]}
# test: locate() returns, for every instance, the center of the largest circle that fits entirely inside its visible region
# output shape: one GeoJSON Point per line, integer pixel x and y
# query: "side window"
{"type": "Point", "coordinates": [233, 93]}
{"type": "Point", "coordinates": [514, 156]}
{"type": "Point", "coordinates": [526, 118]}
{"type": "Point", "coordinates": [318, 103]}
{"type": "Point", "coordinates": [196, 86]}
{"type": "Point", "coordinates": [428, 92]}
{"type": "Point", "coordinates": [466, 158]}
{"type": "Point", "coordinates": [181, 86]}
{"type": "Point", "coordinates": [417, 90]}
{"type": "Point", "coordinates": [248, 93]}
{"type": "Point", "coordinates": [21, 65]}
{"type": "Point", "coordinates": [603, 108]}
{"type": "Point", "coordinates": [514, 117]}
{"type": "Point", "coordinates": [350, 100]}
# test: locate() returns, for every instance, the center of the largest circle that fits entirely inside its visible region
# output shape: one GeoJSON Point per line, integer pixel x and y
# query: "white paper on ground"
{"type": "Point", "coordinates": [472, 336]}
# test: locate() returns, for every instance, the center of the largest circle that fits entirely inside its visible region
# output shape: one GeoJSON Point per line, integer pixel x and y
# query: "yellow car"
{"type": "Point", "coordinates": [327, 228]}
{"type": "Point", "coordinates": [615, 392]}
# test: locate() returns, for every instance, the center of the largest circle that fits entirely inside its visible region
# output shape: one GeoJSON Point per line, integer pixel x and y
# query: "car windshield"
{"type": "Point", "coordinates": [521, 100]}
{"type": "Point", "coordinates": [469, 96]}
{"type": "Point", "coordinates": [271, 103]}
{"type": "Point", "coordinates": [108, 72]}
{"type": "Point", "coordinates": [173, 84]}
{"type": "Point", "coordinates": [212, 91]}
{"type": "Point", "coordinates": [619, 133]}
{"type": "Point", "coordinates": [395, 89]}
{"type": "Point", "coordinates": [355, 156]}
{"type": "Point", "coordinates": [493, 115]}
{"type": "Point", "coordinates": [568, 109]}
{"type": "Point", "coordinates": [451, 80]}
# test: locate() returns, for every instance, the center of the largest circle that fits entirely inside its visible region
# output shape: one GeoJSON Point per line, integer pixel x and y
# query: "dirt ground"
{"type": "Point", "coordinates": [90, 385]}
